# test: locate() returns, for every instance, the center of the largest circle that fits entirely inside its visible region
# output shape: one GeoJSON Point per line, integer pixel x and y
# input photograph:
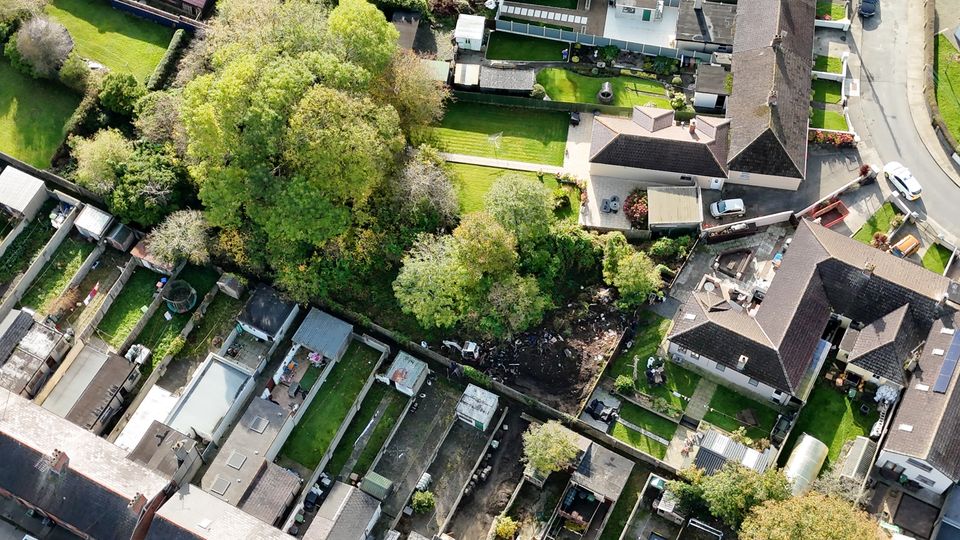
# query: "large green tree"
{"type": "Point", "coordinates": [430, 285]}
{"type": "Point", "coordinates": [522, 205]}
{"type": "Point", "coordinates": [813, 516]}
{"type": "Point", "coordinates": [549, 447]}
{"type": "Point", "coordinates": [362, 34]}
{"type": "Point", "coordinates": [732, 492]}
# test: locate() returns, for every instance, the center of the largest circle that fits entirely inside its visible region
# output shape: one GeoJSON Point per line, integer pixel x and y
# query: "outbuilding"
{"type": "Point", "coordinates": [674, 207]}
{"type": "Point", "coordinates": [469, 32]}
{"type": "Point", "coordinates": [477, 407]}
{"type": "Point", "coordinates": [21, 195]}
{"type": "Point", "coordinates": [266, 315]}
{"type": "Point", "coordinates": [324, 334]}
{"type": "Point", "coordinates": [406, 374]}
{"type": "Point", "coordinates": [93, 223]}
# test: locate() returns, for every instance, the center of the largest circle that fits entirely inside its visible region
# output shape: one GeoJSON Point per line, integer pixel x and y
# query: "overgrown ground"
{"type": "Point", "coordinates": [125, 311]}
{"type": "Point", "coordinates": [508, 133]}
{"type": "Point", "coordinates": [27, 246]}
{"type": "Point", "coordinates": [474, 182]}
{"type": "Point", "coordinates": [628, 498]}
{"type": "Point", "coordinates": [727, 404]}
{"type": "Point", "coordinates": [936, 258]}
{"type": "Point", "coordinates": [111, 37]}
{"type": "Point", "coordinates": [56, 274]}
{"type": "Point", "coordinates": [946, 83]}
{"type": "Point", "coordinates": [507, 46]}
{"type": "Point", "coordinates": [565, 85]}
{"type": "Point", "coordinates": [878, 222]}
{"type": "Point", "coordinates": [311, 438]}
{"type": "Point", "coordinates": [378, 434]}
{"type": "Point", "coordinates": [32, 115]}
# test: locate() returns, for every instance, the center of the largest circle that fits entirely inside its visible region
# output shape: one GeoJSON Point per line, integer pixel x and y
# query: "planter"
{"type": "Point", "coordinates": [647, 402]}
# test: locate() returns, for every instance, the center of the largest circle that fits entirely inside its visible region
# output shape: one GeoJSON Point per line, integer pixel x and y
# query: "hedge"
{"type": "Point", "coordinates": [163, 70]}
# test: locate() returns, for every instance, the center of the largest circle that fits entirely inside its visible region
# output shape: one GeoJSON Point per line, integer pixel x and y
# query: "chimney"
{"type": "Point", "coordinates": [693, 126]}
{"type": "Point", "coordinates": [137, 503]}
{"type": "Point", "coordinates": [59, 461]}
{"type": "Point", "coordinates": [776, 41]}
{"type": "Point", "coordinates": [868, 269]}
{"type": "Point", "coordinates": [698, 5]}
{"type": "Point", "coordinates": [772, 98]}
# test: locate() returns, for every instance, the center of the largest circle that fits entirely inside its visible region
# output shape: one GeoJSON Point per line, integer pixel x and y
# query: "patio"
{"type": "Point", "coordinates": [662, 32]}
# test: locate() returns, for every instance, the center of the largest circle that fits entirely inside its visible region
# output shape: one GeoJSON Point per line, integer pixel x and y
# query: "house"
{"type": "Point", "coordinates": [21, 195]}
{"type": "Point", "coordinates": [93, 223]}
{"type": "Point", "coordinates": [469, 32]}
{"type": "Point", "coordinates": [92, 387]}
{"type": "Point", "coordinates": [266, 316]}
{"type": "Point", "coordinates": [770, 344]}
{"type": "Point", "coordinates": [706, 26]}
{"type": "Point", "coordinates": [36, 355]}
{"type": "Point", "coordinates": [643, 10]}
{"type": "Point", "coordinates": [948, 523]}
{"type": "Point", "coordinates": [879, 349]}
{"type": "Point", "coordinates": [406, 374]}
{"type": "Point", "coordinates": [713, 86]}
{"type": "Point", "coordinates": [346, 514]}
{"type": "Point", "coordinates": [649, 146]}
{"type": "Point", "coordinates": [507, 81]}
{"type": "Point", "coordinates": [141, 252]}
{"type": "Point", "coordinates": [212, 399]}
{"type": "Point", "coordinates": [477, 407]}
{"type": "Point", "coordinates": [243, 473]}
{"type": "Point", "coordinates": [324, 334]}
{"type": "Point", "coordinates": [406, 23]}
{"type": "Point", "coordinates": [674, 208]}
{"type": "Point", "coordinates": [162, 449]}
{"type": "Point", "coordinates": [717, 449]}
{"type": "Point", "coordinates": [922, 447]}
{"type": "Point", "coordinates": [770, 104]}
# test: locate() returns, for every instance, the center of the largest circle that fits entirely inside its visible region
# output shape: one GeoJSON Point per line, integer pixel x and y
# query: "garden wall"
{"type": "Point", "coordinates": [67, 186]}
{"type": "Point", "coordinates": [12, 235]}
{"type": "Point", "coordinates": [112, 294]}
{"type": "Point", "coordinates": [761, 221]}
{"type": "Point", "coordinates": [158, 16]}
{"type": "Point", "coordinates": [87, 264]}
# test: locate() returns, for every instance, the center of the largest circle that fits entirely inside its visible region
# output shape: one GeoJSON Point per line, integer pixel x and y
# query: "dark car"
{"type": "Point", "coordinates": [868, 8]}
{"type": "Point", "coordinates": [575, 118]}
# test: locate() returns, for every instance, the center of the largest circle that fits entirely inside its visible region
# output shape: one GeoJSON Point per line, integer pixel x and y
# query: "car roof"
{"type": "Point", "coordinates": [734, 204]}
{"type": "Point", "coordinates": [911, 183]}
{"type": "Point", "coordinates": [895, 167]}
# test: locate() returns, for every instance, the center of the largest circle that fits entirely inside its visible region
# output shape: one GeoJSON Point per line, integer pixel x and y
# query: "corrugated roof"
{"type": "Point", "coordinates": [716, 450]}
{"type": "Point", "coordinates": [12, 329]}
{"type": "Point", "coordinates": [323, 333]}
{"type": "Point", "coordinates": [406, 370]}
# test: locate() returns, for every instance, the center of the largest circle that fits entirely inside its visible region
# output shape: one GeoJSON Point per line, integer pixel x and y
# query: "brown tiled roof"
{"type": "Point", "coordinates": [883, 345]}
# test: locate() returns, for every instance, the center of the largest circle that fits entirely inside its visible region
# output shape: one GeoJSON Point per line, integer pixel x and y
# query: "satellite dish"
{"type": "Point", "coordinates": [709, 286]}
{"type": "Point", "coordinates": [490, 4]}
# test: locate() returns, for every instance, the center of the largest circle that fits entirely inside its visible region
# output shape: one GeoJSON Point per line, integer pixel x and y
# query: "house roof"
{"type": "Point", "coordinates": [712, 79]}
{"type": "Point", "coordinates": [93, 404]}
{"type": "Point", "coordinates": [155, 448]}
{"type": "Point", "coordinates": [18, 189]}
{"type": "Point", "coordinates": [769, 108]}
{"type": "Point", "coordinates": [345, 512]}
{"type": "Point", "coordinates": [323, 333]}
{"type": "Point", "coordinates": [271, 493]}
{"type": "Point", "coordinates": [466, 74]}
{"type": "Point", "coordinates": [883, 345]}
{"type": "Point", "coordinates": [927, 423]}
{"type": "Point", "coordinates": [714, 22]}
{"type": "Point", "coordinates": [603, 472]}
{"type": "Point", "coordinates": [79, 374]}
{"type": "Point", "coordinates": [507, 79]}
{"type": "Point", "coordinates": [266, 310]}
{"type": "Point", "coordinates": [209, 396]}
{"type": "Point", "coordinates": [674, 205]}
{"type": "Point", "coordinates": [93, 219]}
{"type": "Point", "coordinates": [716, 450]}
{"type": "Point", "coordinates": [469, 27]}
{"type": "Point", "coordinates": [13, 328]}
{"type": "Point", "coordinates": [950, 517]}
{"type": "Point", "coordinates": [626, 143]}
{"type": "Point", "coordinates": [821, 271]}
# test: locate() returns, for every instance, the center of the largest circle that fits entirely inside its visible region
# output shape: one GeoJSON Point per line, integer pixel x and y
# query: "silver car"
{"type": "Point", "coordinates": [728, 207]}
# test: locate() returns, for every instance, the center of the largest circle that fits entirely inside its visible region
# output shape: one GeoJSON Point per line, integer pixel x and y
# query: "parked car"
{"type": "Point", "coordinates": [574, 118]}
{"type": "Point", "coordinates": [903, 180]}
{"type": "Point", "coordinates": [728, 207]}
{"type": "Point", "coordinates": [868, 8]}
{"type": "Point", "coordinates": [906, 247]}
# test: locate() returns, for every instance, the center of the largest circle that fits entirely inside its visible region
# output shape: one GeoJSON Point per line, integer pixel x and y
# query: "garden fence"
{"type": "Point", "coordinates": [393, 431]}
{"type": "Point", "coordinates": [12, 235]}
{"type": "Point", "coordinates": [606, 363]}
{"type": "Point", "coordinates": [86, 266]}
{"type": "Point", "coordinates": [598, 41]}
{"type": "Point", "coordinates": [145, 318]}
{"type": "Point", "coordinates": [158, 16]}
{"type": "Point", "coordinates": [79, 192]}
{"type": "Point", "coordinates": [541, 104]}
{"type": "Point", "coordinates": [128, 270]}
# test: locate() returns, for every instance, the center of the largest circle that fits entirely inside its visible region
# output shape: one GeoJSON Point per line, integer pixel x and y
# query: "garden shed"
{"type": "Point", "coordinates": [517, 81]}
{"type": "Point", "coordinates": [141, 252]}
{"type": "Point", "coordinates": [858, 460]}
{"type": "Point", "coordinates": [406, 374]}
{"type": "Point", "coordinates": [324, 334]}
{"type": "Point", "coordinates": [466, 75]}
{"type": "Point", "coordinates": [121, 237]}
{"type": "Point", "coordinates": [804, 463]}
{"type": "Point", "coordinates": [232, 285]}
{"type": "Point", "coordinates": [438, 70]}
{"type": "Point", "coordinates": [674, 207]}
{"type": "Point", "coordinates": [477, 407]}
{"type": "Point", "coordinates": [21, 195]}
{"type": "Point", "coordinates": [266, 315]}
{"type": "Point", "coordinates": [469, 32]}
{"type": "Point", "coordinates": [92, 222]}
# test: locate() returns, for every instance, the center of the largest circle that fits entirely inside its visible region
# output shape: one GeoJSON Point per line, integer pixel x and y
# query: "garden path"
{"type": "Point", "coordinates": [361, 441]}
{"type": "Point", "coordinates": [500, 163]}
{"type": "Point", "coordinates": [700, 400]}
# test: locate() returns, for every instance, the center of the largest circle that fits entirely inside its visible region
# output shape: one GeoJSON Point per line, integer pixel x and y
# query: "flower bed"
{"type": "Point", "coordinates": [828, 138]}
{"type": "Point", "coordinates": [636, 209]}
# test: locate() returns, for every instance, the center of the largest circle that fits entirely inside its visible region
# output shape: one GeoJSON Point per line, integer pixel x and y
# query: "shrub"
{"type": "Point", "coordinates": [506, 527]}
{"type": "Point", "coordinates": [896, 221]}
{"type": "Point", "coordinates": [676, 81]}
{"type": "Point", "coordinates": [678, 101]}
{"type": "Point", "coordinates": [74, 73]}
{"type": "Point", "coordinates": [16, 60]}
{"type": "Point", "coordinates": [538, 92]}
{"type": "Point", "coordinates": [664, 248]}
{"type": "Point", "coordinates": [609, 53]}
{"type": "Point", "coordinates": [624, 384]}
{"type": "Point", "coordinates": [635, 208]}
{"type": "Point", "coordinates": [120, 92]}
{"type": "Point", "coordinates": [163, 70]}
{"type": "Point", "coordinates": [423, 501]}
{"type": "Point", "coordinates": [477, 376]}
{"type": "Point", "coordinates": [41, 44]}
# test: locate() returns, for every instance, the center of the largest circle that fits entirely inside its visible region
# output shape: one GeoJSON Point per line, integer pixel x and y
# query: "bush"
{"type": "Point", "coordinates": [609, 53]}
{"type": "Point", "coordinates": [477, 376]}
{"type": "Point", "coordinates": [506, 527]}
{"type": "Point", "coordinates": [163, 70]}
{"type": "Point", "coordinates": [538, 92]}
{"type": "Point", "coordinates": [635, 208]}
{"type": "Point", "coordinates": [663, 248]}
{"type": "Point", "coordinates": [423, 501]}
{"type": "Point", "coordinates": [678, 101]}
{"type": "Point", "coordinates": [676, 81]}
{"type": "Point", "coordinates": [16, 60]}
{"type": "Point", "coordinates": [120, 92]}
{"type": "Point", "coordinates": [42, 44]}
{"type": "Point", "coordinates": [624, 384]}
{"type": "Point", "coordinates": [74, 73]}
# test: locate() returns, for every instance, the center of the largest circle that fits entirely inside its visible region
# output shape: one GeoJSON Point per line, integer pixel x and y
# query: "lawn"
{"type": "Point", "coordinates": [936, 258]}
{"type": "Point", "coordinates": [649, 421]}
{"type": "Point", "coordinates": [27, 246]}
{"type": "Point", "coordinates": [311, 438]}
{"type": "Point", "coordinates": [638, 440]}
{"type": "Point", "coordinates": [836, 10]}
{"type": "Point", "coordinates": [946, 84]}
{"type": "Point", "coordinates": [56, 274]}
{"type": "Point", "coordinates": [828, 64]}
{"type": "Point", "coordinates": [878, 222]}
{"type": "Point", "coordinates": [565, 85]}
{"type": "Point", "coordinates": [507, 46]}
{"type": "Point", "coordinates": [519, 134]}
{"type": "Point", "coordinates": [378, 433]}
{"type": "Point", "coordinates": [474, 181]}
{"type": "Point", "coordinates": [127, 308]}
{"type": "Point", "coordinates": [726, 404]}
{"type": "Point", "coordinates": [826, 91]}
{"type": "Point", "coordinates": [832, 418]}
{"type": "Point", "coordinates": [218, 317]}
{"type": "Point", "coordinates": [117, 40]}
{"type": "Point", "coordinates": [628, 498]}
{"type": "Point", "coordinates": [32, 115]}
{"type": "Point", "coordinates": [828, 120]}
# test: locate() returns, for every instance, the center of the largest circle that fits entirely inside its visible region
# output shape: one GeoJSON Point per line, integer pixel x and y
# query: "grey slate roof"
{"type": "Point", "coordinates": [602, 472]}
{"type": "Point", "coordinates": [12, 329]}
{"type": "Point", "coordinates": [343, 515]}
{"type": "Point", "coordinates": [716, 22]}
{"type": "Point", "coordinates": [507, 79]}
{"type": "Point", "coordinates": [323, 333]}
{"type": "Point", "coordinates": [712, 79]}
{"type": "Point", "coordinates": [771, 139]}
{"type": "Point", "coordinates": [821, 271]}
{"type": "Point", "coordinates": [272, 492]}
{"type": "Point", "coordinates": [107, 384]}
{"type": "Point", "coordinates": [883, 345]}
{"type": "Point", "coordinates": [266, 310]}
{"type": "Point", "coordinates": [155, 449]}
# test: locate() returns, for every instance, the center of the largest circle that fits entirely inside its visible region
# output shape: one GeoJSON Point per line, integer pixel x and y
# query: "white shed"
{"type": "Point", "coordinates": [93, 222]}
{"type": "Point", "coordinates": [469, 32]}
{"type": "Point", "coordinates": [406, 374]}
{"type": "Point", "coordinates": [21, 194]}
{"type": "Point", "coordinates": [477, 407]}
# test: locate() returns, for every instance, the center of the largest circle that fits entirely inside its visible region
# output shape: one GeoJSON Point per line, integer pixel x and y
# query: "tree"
{"type": "Point", "coordinates": [813, 516]}
{"type": "Point", "coordinates": [149, 186]}
{"type": "Point", "coordinates": [362, 35]}
{"type": "Point", "coordinates": [615, 248]}
{"type": "Point", "coordinates": [430, 283]}
{"type": "Point", "coordinates": [734, 490]}
{"type": "Point", "coordinates": [181, 236]}
{"type": "Point", "coordinates": [120, 92]}
{"type": "Point", "coordinates": [514, 304]}
{"type": "Point", "coordinates": [549, 447]}
{"type": "Point", "coordinates": [99, 160]}
{"type": "Point", "coordinates": [521, 205]}
{"type": "Point", "coordinates": [484, 247]}
{"type": "Point", "coordinates": [158, 119]}
{"type": "Point", "coordinates": [506, 527]}
{"type": "Point", "coordinates": [406, 84]}
{"type": "Point", "coordinates": [12, 10]}
{"type": "Point", "coordinates": [424, 186]}
{"type": "Point", "coordinates": [74, 73]}
{"type": "Point", "coordinates": [42, 46]}
{"type": "Point", "coordinates": [636, 278]}
{"type": "Point", "coordinates": [423, 501]}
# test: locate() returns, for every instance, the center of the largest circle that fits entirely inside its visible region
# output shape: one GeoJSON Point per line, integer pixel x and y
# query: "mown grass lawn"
{"type": "Point", "coordinates": [628, 498]}
{"type": "Point", "coordinates": [836, 10]}
{"type": "Point", "coordinates": [378, 433]}
{"type": "Point", "coordinates": [32, 115]}
{"type": "Point", "coordinates": [828, 120]}
{"type": "Point", "coordinates": [878, 222]}
{"type": "Point", "coordinates": [726, 404]}
{"type": "Point", "coordinates": [507, 46]}
{"type": "Point", "coordinates": [474, 181]}
{"type": "Point", "coordinates": [828, 64]}
{"type": "Point", "coordinates": [936, 258]}
{"type": "Point", "coordinates": [56, 274]}
{"type": "Point", "coordinates": [527, 135]}
{"type": "Point", "coordinates": [946, 83]}
{"type": "Point", "coordinates": [311, 438]}
{"type": "Point", "coordinates": [565, 85]}
{"type": "Point", "coordinates": [826, 91]}
{"type": "Point", "coordinates": [116, 39]}
{"type": "Point", "coordinates": [638, 440]}
{"type": "Point", "coordinates": [833, 419]}
{"type": "Point", "coordinates": [125, 311]}
{"type": "Point", "coordinates": [27, 246]}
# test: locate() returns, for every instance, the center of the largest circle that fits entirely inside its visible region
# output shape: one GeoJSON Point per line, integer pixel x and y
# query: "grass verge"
{"type": "Point", "coordinates": [828, 120]}
{"type": "Point", "coordinates": [125, 311]}
{"type": "Point", "coordinates": [507, 46]}
{"type": "Point", "coordinates": [946, 84]}
{"type": "Point", "coordinates": [565, 85]}
{"type": "Point", "coordinates": [878, 222]}
{"type": "Point", "coordinates": [56, 274]}
{"type": "Point", "coordinates": [726, 404]}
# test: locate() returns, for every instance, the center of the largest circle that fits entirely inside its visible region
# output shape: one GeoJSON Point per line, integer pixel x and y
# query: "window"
{"type": "Point", "coordinates": [919, 464]}
{"type": "Point", "coordinates": [630, 10]}
{"type": "Point", "coordinates": [721, 367]}
{"type": "Point", "coordinates": [646, 15]}
{"type": "Point", "coordinates": [754, 382]}
{"type": "Point", "coordinates": [924, 480]}
{"type": "Point", "coordinates": [681, 350]}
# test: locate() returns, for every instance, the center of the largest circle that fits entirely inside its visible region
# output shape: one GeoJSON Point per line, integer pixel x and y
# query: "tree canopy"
{"type": "Point", "coordinates": [549, 447]}
{"type": "Point", "coordinates": [730, 493]}
{"type": "Point", "coordinates": [813, 516]}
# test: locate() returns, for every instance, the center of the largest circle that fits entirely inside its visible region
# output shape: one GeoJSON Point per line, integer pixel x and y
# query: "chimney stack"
{"type": "Point", "coordinates": [693, 126]}
{"type": "Point", "coordinates": [776, 41]}
{"type": "Point", "coordinates": [137, 503]}
{"type": "Point", "coordinates": [772, 98]}
{"type": "Point", "coordinates": [59, 461]}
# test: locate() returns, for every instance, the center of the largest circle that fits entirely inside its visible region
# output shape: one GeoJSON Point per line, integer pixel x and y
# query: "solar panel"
{"type": "Point", "coordinates": [948, 367]}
